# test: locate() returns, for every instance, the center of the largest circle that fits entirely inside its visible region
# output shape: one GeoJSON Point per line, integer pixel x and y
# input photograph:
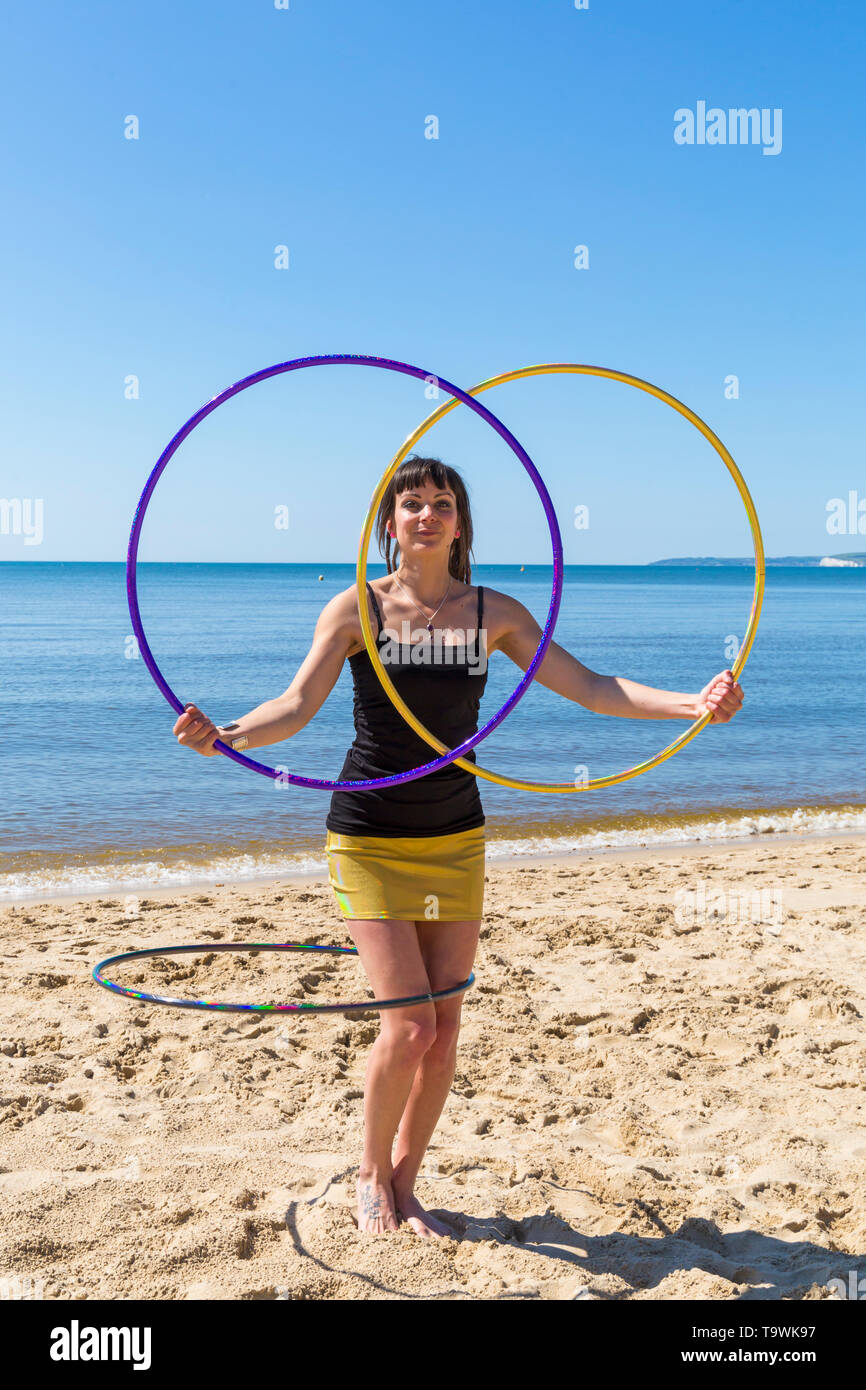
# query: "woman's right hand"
{"type": "Point", "coordinates": [194, 730]}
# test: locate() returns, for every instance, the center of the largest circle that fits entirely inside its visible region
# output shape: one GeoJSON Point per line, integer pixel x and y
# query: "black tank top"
{"type": "Point", "coordinates": [445, 695]}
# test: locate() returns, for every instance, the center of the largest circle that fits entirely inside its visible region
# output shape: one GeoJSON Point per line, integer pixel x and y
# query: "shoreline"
{"type": "Point", "coordinates": [620, 854]}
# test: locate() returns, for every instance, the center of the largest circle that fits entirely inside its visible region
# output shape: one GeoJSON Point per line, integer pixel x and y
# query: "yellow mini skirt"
{"type": "Point", "coordinates": [434, 878]}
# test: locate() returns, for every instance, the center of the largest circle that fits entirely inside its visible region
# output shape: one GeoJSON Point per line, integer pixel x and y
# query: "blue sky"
{"type": "Point", "coordinates": [305, 127]}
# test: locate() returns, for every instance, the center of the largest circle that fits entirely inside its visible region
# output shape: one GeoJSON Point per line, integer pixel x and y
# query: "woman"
{"type": "Point", "coordinates": [407, 862]}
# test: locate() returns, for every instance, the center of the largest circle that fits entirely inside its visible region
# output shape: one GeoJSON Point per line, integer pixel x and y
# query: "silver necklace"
{"type": "Point", "coordinates": [428, 621]}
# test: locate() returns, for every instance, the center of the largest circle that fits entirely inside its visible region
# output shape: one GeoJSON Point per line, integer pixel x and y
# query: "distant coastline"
{"type": "Point", "coordinates": [852, 560]}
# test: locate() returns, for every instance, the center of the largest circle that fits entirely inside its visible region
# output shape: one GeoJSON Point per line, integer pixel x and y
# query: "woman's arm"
{"type": "Point", "coordinates": [284, 716]}
{"type": "Point", "coordinates": [518, 635]}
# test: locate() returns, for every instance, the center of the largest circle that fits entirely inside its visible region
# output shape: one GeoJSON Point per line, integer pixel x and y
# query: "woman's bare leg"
{"type": "Point", "coordinates": [448, 950]}
{"type": "Point", "coordinates": [391, 957]}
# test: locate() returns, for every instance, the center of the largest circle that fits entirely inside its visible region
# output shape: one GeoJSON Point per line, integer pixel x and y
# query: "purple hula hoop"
{"type": "Point", "coordinates": [347, 359]}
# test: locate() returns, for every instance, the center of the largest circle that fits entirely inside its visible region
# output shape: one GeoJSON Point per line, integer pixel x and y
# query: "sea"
{"type": "Point", "coordinates": [98, 796]}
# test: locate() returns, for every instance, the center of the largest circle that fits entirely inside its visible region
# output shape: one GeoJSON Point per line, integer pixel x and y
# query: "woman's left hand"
{"type": "Point", "coordinates": [723, 695]}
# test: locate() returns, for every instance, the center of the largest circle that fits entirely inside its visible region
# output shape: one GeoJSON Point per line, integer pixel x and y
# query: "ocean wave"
{"type": "Point", "coordinates": [801, 822]}
{"type": "Point", "coordinates": [135, 876]}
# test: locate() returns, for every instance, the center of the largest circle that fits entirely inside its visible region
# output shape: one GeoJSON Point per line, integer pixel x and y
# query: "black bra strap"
{"type": "Point", "coordinates": [376, 608]}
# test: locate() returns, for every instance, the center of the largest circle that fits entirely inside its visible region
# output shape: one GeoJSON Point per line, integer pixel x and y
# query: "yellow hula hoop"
{"type": "Point", "coordinates": [369, 521]}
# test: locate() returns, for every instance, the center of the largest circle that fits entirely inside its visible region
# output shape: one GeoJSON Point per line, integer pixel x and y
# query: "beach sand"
{"type": "Point", "coordinates": [657, 1096]}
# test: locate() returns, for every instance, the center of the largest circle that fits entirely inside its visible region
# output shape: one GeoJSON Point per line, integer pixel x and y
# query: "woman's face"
{"type": "Point", "coordinates": [425, 518]}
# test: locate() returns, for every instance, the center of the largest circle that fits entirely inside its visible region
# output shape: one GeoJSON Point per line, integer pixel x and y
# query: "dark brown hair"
{"type": "Point", "coordinates": [412, 472]}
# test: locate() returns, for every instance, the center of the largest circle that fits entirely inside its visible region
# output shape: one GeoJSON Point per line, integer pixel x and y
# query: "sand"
{"type": "Point", "coordinates": [657, 1096]}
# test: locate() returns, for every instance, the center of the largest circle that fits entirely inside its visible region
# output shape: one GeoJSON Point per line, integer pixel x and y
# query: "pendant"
{"type": "Point", "coordinates": [429, 627]}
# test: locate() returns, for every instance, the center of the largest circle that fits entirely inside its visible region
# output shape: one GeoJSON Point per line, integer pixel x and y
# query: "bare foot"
{"type": "Point", "coordinates": [421, 1222]}
{"type": "Point", "coordinates": [375, 1205]}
